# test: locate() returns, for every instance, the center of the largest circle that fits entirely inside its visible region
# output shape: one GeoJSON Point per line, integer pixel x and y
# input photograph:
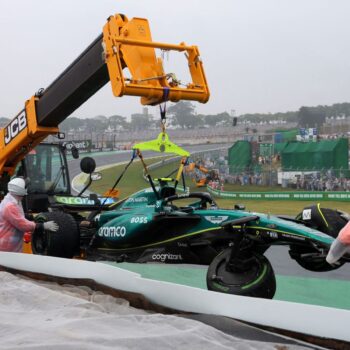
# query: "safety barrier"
{"type": "Point", "coordinates": [295, 196]}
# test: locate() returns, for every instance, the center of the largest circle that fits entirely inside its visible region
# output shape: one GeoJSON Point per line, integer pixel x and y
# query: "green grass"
{"type": "Point", "coordinates": [133, 181]}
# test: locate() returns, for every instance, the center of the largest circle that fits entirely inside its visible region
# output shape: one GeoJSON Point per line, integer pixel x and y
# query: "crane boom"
{"type": "Point", "coordinates": [123, 45]}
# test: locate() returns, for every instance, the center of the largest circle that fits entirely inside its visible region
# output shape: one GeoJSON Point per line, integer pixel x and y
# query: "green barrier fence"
{"type": "Point", "coordinates": [295, 196]}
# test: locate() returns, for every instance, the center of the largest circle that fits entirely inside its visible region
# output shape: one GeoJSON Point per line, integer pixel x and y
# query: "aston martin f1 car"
{"type": "Point", "coordinates": [163, 224]}
{"type": "Point", "coordinates": [154, 225]}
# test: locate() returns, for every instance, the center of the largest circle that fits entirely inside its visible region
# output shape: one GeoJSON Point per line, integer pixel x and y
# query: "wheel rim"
{"type": "Point", "coordinates": [39, 241]}
{"type": "Point", "coordinates": [244, 279]}
{"type": "Point", "coordinates": [259, 281]}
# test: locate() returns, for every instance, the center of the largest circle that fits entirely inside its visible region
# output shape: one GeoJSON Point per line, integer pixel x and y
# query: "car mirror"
{"type": "Point", "coordinates": [87, 165]}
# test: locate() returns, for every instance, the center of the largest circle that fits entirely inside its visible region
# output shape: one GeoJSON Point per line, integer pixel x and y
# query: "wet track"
{"type": "Point", "coordinates": [279, 256]}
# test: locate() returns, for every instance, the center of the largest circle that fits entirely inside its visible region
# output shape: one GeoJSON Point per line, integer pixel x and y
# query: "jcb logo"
{"type": "Point", "coordinates": [15, 127]}
{"type": "Point", "coordinates": [141, 29]}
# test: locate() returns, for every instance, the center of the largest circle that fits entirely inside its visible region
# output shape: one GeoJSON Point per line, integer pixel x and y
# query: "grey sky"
{"type": "Point", "coordinates": [259, 55]}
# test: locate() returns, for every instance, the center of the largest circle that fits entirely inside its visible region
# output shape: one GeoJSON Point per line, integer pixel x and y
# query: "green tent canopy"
{"type": "Point", "coordinates": [239, 156]}
{"type": "Point", "coordinates": [321, 155]}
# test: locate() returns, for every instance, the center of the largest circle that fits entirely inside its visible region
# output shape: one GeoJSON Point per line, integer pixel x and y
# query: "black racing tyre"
{"type": "Point", "coordinates": [64, 243]}
{"type": "Point", "coordinates": [311, 264]}
{"type": "Point", "coordinates": [259, 281]}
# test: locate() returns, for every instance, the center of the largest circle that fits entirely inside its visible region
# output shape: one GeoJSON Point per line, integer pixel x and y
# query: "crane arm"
{"type": "Point", "coordinates": [123, 46]}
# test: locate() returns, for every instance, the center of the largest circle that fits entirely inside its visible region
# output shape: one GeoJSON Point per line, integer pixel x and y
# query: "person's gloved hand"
{"type": "Point", "coordinates": [50, 226]}
{"type": "Point", "coordinates": [336, 251]}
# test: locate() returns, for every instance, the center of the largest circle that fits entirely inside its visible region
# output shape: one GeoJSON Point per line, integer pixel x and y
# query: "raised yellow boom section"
{"type": "Point", "coordinates": [129, 44]}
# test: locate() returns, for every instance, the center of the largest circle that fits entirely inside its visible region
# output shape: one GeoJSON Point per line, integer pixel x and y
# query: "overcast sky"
{"type": "Point", "coordinates": [259, 55]}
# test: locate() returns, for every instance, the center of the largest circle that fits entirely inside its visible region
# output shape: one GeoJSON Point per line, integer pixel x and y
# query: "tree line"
{"type": "Point", "coordinates": [183, 115]}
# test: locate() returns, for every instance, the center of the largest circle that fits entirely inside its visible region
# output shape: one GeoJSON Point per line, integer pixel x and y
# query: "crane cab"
{"type": "Point", "coordinates": [47, 171]}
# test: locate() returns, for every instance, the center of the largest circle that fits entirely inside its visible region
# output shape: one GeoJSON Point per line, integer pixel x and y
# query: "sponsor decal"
{"type": "Point", "coordinates": [307, 214]}
{"type": "Point", "coordinates": [308, 195]}
{"type": "Point", "coordinates": [283, 196]}
{"type": "Point", "coordinates": [338, 195]}
{"type": "Point", "coordinates": [18, 124]}
{"type": "Point", "coordinates": [114, 231]}
{"type": "Point", "coordinates": [293, 236]}
{"type": "Point", "coordinates": [81, 200]}
{"type": "Point", "coordinates": [166, 256]}
{"type": "Point", "coordinates": [216, 219]}
{"type": "Point", "coordinates": [137, 200]}
{"type": "Point", "coordinates": [139, 220]}
{"type": "Point", "coordinates": [81, 145]}
{"type": "Point", "coordinates": [272, 234]}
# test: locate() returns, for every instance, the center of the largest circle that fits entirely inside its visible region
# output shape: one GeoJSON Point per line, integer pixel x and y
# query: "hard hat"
{"type": "Point", "coordinates": [17, 186]}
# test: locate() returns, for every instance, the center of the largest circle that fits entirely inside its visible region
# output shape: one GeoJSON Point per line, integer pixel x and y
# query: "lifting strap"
{"type": "Point", "coordinates": [147, 173]}
{"type": "Point", "coordinates": [180, 171]}
{"type": "Point", "coordinates": [162, 107]}
{"type": "Point", "coordinates": [134, 153]}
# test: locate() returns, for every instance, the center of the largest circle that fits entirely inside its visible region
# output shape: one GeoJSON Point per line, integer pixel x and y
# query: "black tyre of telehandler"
{"type": "Point", "coordinates": [259, 281]}
{"type": "Point", "coordinates": [64, 243]}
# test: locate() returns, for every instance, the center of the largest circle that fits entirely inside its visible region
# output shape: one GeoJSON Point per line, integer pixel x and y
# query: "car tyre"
{"type": "Point", "coordinates": [259, 281]}
{"type": "Point", "coordinates": [63, 243]}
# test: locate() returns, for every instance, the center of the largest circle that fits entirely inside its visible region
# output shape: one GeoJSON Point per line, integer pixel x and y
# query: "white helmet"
{"type": "Point", "coordinates": [17, 186]}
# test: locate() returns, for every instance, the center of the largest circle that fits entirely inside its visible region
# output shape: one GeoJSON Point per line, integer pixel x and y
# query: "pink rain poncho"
{"type": "Point", "coordinates": [344, 234]}
{"type": "Point", "coordinates": [13, 224]}
{"type": "Point", "coordinates": [340, 246]}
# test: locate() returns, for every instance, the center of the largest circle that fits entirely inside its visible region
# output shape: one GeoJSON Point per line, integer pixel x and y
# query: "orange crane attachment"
{"type": "Point", "coordinates": [129, 44]}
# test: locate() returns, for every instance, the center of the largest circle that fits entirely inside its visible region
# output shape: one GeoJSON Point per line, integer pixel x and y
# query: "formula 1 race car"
{"type": "Point", "coordinates": [154, 225]}
{"type": "Point", "coordinates": [163, 224]}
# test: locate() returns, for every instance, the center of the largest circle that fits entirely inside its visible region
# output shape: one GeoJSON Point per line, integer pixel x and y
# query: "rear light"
{"type": "Point", "coordinates": [27, 237]}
